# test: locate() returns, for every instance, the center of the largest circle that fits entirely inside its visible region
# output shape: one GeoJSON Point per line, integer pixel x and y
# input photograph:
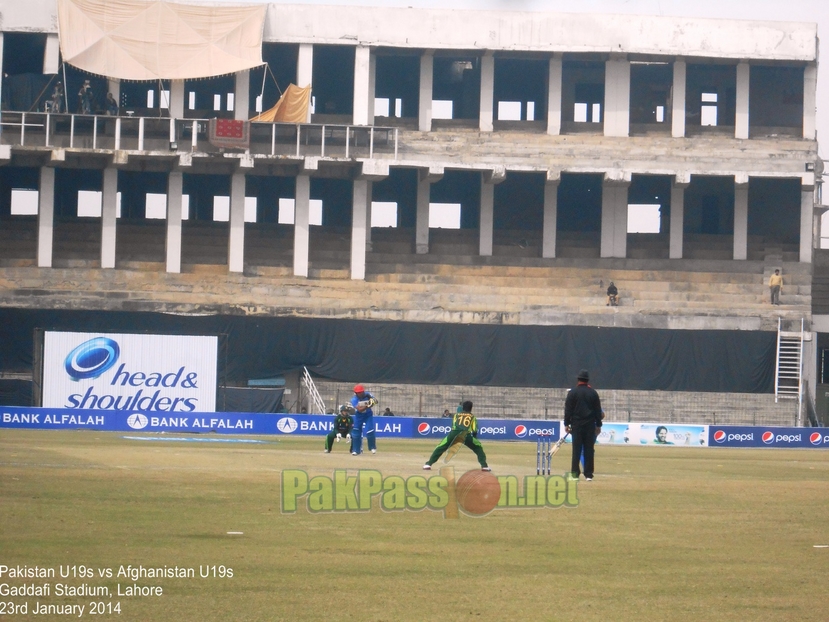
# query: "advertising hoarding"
{"type": "Point", "coordinates": [631, 434]}
{"type": "Point", "coordinates": [127, 372]}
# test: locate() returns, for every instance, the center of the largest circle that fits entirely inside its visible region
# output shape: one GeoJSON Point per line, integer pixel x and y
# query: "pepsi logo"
{"type": "Point", "coordinates": [719, 436]}
{"type": "Point", "coordinates": [768, 437]}
{"type": "Point", "coordinates": [423, 428]}
{"type": "Point", "coordinates": [815, 438]}
{"type": "Point", "coordinates": [520, 431]}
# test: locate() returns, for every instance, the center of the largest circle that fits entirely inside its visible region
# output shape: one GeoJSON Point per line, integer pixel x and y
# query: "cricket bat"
{"type": "Point", "coordinates": [455, 447]}
{"type": "Point", "coordinates": [557, 446]}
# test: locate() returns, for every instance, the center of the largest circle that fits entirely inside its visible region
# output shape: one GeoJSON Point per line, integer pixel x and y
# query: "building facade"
{"type": "Point", "coordinates": [456, 167]}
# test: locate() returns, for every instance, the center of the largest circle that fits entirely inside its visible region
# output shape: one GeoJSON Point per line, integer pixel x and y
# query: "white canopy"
{"type": "Point", "coordinates": [158, 40]}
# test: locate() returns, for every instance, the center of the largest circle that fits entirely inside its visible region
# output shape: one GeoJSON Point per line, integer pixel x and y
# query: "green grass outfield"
{"type": "Point", "coordinates": [662, 533]}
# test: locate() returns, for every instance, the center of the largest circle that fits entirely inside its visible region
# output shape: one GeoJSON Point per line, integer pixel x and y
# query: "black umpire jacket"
{"type": "Point", "coordinates": [582, 405]}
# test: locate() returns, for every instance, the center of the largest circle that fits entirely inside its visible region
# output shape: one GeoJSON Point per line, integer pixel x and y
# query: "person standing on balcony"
{"type": "Point", "coordinates": [775, 286]}
{"type": "Point", "coordinates": [56, 101]}
{"type": "Point", "coordinates": [111, 106]}
{"type": "Point", "coordinates": [85, 98]}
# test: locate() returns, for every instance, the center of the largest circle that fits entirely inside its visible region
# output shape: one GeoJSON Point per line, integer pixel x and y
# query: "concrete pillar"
{"type": "Point", "coordinates": [360, 225]}
{"type": "Point", "coordinates": [548, 239]}
{"type": "Point", "coordinates": [809, 101]}
{"type": "Point", "coordinates": [2, 73]}
{"type": "Point", "coordinates": [424, 115]}
{"type": "Point", "coordinates": [614, 217]}
{"type": "Point", "coordinates": [487, 92]}
{"type": "Point", "coordinates": [741, 121]}
{"type": "Point", "coordinates": [236, 243]}
{"type": "Point", "coordinates": [617, 97]}
{"type": "Point", "coordinates": [741, 217]}
{"type": "Point", "coordinates": [678, 101]}
{"type": "Point", "coordinates": [807, 218]}
{"type": "Point", "coordinates": [677, 230]}
{"type": "Point", "coordinates": [372, 87]}
{"type": "Point", "coordinates": [302, 209]}
{"type": "Point", "coordinates": [45, 214]}
{"type": "Point", "coordinates": [554, 97]}
{"type": "Point", "coordinates": [51, 55]}
{"type": "Point", "coordinates": [424, 188]}
{"type": "Point", "coordinates": [241, 96]}
{"type": "Point", "coordinates": [305, 69]}
{"type": "Point", "coordinates": [368, 220]}
{"type": "Point", "coordinates": [362, 63]}
{"type": "Point", "coordinates": [177, 99]}
{"type": "Point", "coordinates": [487, 218]}
{"type": "Point", "coordinates": [175, 192]}
{"type": "Point", "coordinates": [109, 212]}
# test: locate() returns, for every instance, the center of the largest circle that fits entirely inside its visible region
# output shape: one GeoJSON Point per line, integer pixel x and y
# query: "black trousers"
{"type": "Point", "coordinates": [584, 439]}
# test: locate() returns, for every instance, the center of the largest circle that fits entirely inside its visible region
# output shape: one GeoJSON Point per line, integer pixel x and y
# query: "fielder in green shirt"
{"type": "Point", "coordinates": [464, 430]}
{"type": "Point", "coordinates": [343, 424]}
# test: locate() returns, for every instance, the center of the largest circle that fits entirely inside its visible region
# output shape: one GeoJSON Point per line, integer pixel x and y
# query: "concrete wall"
{"type": "Point", "coordinates": [548, 32]}
{"type": "Point", "coordinates": [502, 30]}
{"type": "Point", "coordinates": [414, 400]}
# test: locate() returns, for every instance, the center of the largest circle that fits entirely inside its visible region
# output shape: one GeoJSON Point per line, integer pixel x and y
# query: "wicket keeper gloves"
{"type": "Point", "coordinates": [348, 437]}
{"type": "Point", "coordinates": [339, 436]}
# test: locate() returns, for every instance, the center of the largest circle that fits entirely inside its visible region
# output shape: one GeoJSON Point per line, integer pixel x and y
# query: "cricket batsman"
{"type": "Point", "coordinates": [343, 423]}
{"type": "Point", "coordinates": [363, 401]}
{"type": "Point", "coordinates": [464, 430]}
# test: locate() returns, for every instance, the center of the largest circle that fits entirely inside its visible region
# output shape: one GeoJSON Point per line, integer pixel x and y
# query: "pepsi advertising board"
{"type": "Point", "coordinates": [748, 436]}
{"type": "Point", "coordinates": [170, 374]}
{"type": "Point", "coordinates": [492, 429]}
{"type": "Point", "coordinates": [633, 434]}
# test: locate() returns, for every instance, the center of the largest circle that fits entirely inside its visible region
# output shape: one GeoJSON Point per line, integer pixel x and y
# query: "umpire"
{"type": "Point", "coordinates": [583, 420]}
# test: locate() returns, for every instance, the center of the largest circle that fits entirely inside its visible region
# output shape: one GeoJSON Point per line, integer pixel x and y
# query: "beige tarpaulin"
{"type": "Point", "coordinates": [155, 40]}
{"type": "Point", "coordinates": [292, 107]}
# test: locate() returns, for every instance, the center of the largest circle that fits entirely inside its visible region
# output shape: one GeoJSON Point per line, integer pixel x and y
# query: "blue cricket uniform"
{"type": "Point", "coordinates": [363, 423]}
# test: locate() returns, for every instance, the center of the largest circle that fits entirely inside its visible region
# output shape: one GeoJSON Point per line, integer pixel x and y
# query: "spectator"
{"type": "Point", "coordinates": [775, 286]}
{"type": "Point", "coordinates": [446, 413]}
{"type": "Point", "coordinates": [85, 98]}
{"type": "Point", "coordinates": [111, 106]}
{"type": "Point", "coordinates": [388, 413]}
{"type": "Point", "coordinates": [612, 295]}
{"type": "Point", "coordinates": [55, 103]}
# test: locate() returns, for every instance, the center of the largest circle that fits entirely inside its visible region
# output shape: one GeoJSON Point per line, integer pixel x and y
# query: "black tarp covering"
{"type": "Point", "coordinates": [406, 352]}
{"type": "Point", "coordinates": [15, 392]}
{"type": "Point", "coordinates": [245, 400]}
{"type": "Point", "coordinates": [27, 92]}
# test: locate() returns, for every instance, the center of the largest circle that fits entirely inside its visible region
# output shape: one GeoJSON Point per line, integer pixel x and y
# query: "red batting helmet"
{"type": "Point", "coordinates": [359, 388]}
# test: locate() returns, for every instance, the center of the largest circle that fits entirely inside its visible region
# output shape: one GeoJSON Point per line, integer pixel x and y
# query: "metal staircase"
{"type": "Point", "coordinates": [788, 374]}
{"type": "Point", "coordinates": [313, 394]}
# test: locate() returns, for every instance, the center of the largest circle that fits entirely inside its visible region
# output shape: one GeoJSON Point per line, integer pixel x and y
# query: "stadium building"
{"type": "Point", "coordinates": [435, 207]}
